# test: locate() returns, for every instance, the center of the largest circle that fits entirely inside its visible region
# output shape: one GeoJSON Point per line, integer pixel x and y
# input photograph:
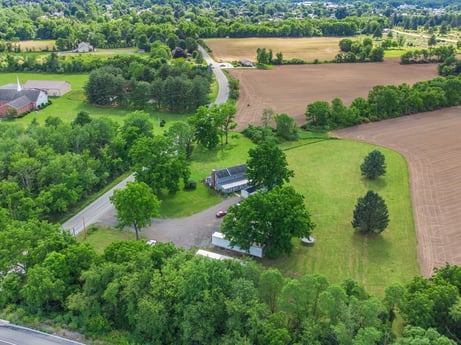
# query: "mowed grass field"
{"type": "Point", "coordinates": [307, 49]}
{"type": "Point", "coordinates": [328, 174]}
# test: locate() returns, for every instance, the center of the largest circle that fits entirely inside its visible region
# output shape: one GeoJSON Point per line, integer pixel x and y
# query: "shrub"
{"type": "Point", "coordinates": [191, 185]}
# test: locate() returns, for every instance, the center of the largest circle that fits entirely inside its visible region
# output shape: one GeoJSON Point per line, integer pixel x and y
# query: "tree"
{"type": "Point", "coordinates": [269, 219]}
{"type": "Point", "coordinates": [182, 135]}
{"type": "Point", "coordinates": [318, 113]}
{"type": "Point", "coordinates": [225, 115]}
{"type": "Point", "coordinates": [373, 165]}
{"type": "Point", "coordinates": [286, 127]}
{"type": "Point", "coordinates": [267, 165]}
{"type": "Point", "coordinates": [158, 164]}
{"type": "Point", "coordinates": [136, 205]}
{"type": "Point", "coordinates": [370, 214]}
{"type": "Point", "coordinates": [205, 127]}
{"type": "Point", "coordinates": [105, 86]}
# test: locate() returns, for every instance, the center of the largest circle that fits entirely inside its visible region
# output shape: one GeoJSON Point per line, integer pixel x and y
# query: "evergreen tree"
{"type": "Point", "coordinates": [373, 165]}
{"type": "Point", "coordinates": [370, 214]}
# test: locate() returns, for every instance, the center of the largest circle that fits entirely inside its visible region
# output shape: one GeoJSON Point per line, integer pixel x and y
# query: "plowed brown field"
{"type": "Point", "coordinates": [431, 145]}
{"type": "Point", "coordinates": [288, 89]}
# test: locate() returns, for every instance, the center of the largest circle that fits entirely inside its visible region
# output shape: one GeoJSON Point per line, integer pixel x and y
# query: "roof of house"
{"type": "Point", "coordinates": [8, 95]}
{"type": "Point", "coordinates": [20, 102]}
{"type": "Point", "coordinates": [45, 84]}
{"type": "Point", "coordinates": [235, 170]}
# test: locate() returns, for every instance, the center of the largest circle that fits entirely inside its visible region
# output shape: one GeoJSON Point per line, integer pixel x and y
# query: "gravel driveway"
{"type": "Point", "coordinates": [187, 232]}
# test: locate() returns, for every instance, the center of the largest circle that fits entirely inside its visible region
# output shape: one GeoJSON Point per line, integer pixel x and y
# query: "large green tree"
{"type": "Point", "coordinates": [205, 126]}
{"type": "Point", "coordinates": [105, 86]}
{"type": "Point", "coordinates": [136, 205]}
{"type": "Point", "coordinates": [269, 219]}
{"type": "Point", "coordinates": [370, 214]}
{"type": "Point", "coordinates": [373, 165]}
{"type": "Point", "coordinates": [267, 165]}
{"type": "Point", "coordinates": [158, 163]}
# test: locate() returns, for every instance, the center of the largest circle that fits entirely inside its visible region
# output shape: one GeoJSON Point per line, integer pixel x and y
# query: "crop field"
{"type": "Point", "coordinates": [289, 89]}
{"type": "Point", "coordinates": [33, 45]}
{"type": "Point", "coordinates": [307, 49]}
{"type": "Point", "coordinates": [430, 144]}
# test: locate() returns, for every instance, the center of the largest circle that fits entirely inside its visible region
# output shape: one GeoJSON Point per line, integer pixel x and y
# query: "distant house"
{"type": "Point", "coordinates": [21, 100]}
{"type": "Point", "coordinates": [84, 47]}
{"type": "Point", "coordinates": [228, 180]}
{"type": "Point", "coordinates": [53, 88]}
{"type": "Point", "coordinates": [246, 63]}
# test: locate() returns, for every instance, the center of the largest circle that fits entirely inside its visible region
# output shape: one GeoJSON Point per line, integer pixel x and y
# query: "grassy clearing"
{"type": "Point", "coordinates": [100, 237]}
{"type": "Point", "coordinates": [186, 203]}
{"type": "Point", "coordinates": [327, 173]}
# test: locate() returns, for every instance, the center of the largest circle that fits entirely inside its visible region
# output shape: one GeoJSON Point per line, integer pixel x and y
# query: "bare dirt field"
{"type": "Point", "coordinates": [430, 143]}
{"type": "Point", "coordinates": [307, 49]}
{"type": "Point", "coordinates": [289, 89]}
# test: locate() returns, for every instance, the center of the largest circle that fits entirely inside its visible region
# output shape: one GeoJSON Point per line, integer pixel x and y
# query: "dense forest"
{"type": "Point", "coordinates": [139, 294]}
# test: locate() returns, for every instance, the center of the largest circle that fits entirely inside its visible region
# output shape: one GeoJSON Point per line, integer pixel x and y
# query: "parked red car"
{"type": "Point", "coordinates": [221, 214]}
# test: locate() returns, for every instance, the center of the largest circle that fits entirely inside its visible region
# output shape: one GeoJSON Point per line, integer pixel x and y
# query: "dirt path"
{"type": "Point", "coordinates": [430, 143]}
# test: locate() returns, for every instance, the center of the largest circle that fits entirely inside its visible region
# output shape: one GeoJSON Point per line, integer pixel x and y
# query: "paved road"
{"type": "Point", "coordinates": [97, 211]}
{"type": "Point", "coordinates": [101, 210]}
{"type": "Point", "coordinates": [223, 93]}
{"type": "Point", "coordinates": [13, 335]}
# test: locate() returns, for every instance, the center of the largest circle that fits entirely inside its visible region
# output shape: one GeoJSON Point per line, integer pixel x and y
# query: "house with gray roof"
{"type": "Point", "coordinates": [228, 180]}
{"type": "Point", "coordinates": [22, 100]}
{"type": "Point", "coordinates": [54, 88]}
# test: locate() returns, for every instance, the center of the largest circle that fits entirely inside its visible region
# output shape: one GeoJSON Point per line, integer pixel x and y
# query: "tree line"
{"type": "Point", "coordinates": [174, 87]}
{"type": "Point", "coordinates": [139, 294]}
{"type": "Point", "coordinates": [385, 102]}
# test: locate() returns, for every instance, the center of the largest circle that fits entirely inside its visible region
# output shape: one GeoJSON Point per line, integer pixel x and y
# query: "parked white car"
{"type": "Point", "coordinates": [308, 240]}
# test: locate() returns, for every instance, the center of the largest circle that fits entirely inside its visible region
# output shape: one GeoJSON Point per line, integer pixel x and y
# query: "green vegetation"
{"type": "Point", "coordinates": [99, 237]}
{"type": "Point", "coordinates": [331, 190]}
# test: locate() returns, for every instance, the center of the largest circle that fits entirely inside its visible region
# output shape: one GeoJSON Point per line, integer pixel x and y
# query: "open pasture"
{"type": "Point", "coordinates": [307, 48]}
{"type": "Point", "coordinates": [288, 89]}
{"type": "Point", "coordinates": [328, 174]}
{"type": "Point", "coordinates": [430, 143]}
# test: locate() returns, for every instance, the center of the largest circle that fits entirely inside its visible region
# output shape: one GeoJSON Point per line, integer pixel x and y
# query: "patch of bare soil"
{"type": "Point", "coordinates": [289, 89]}
{"type": "Point", "coordinates": [430, 144]}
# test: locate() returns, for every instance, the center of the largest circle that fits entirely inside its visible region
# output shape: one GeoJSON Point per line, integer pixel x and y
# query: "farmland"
{"type": "Point", "coordinates": [288, 89]}
{"type": "Point", "coordinates": [307, 49]}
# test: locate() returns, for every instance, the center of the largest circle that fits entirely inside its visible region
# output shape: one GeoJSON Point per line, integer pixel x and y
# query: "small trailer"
{"type": "Point", "coordinates": [212, 255]}
{"type": "Point", "coordinates": [219, 240]}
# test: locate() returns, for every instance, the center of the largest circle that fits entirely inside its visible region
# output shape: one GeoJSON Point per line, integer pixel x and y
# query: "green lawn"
{"type": "Point", "coordinates": [100, 237]}
{"type": "Point", "coordinates": [186, 203]}
{"type": "Point", "coordinates": [328, 175]}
